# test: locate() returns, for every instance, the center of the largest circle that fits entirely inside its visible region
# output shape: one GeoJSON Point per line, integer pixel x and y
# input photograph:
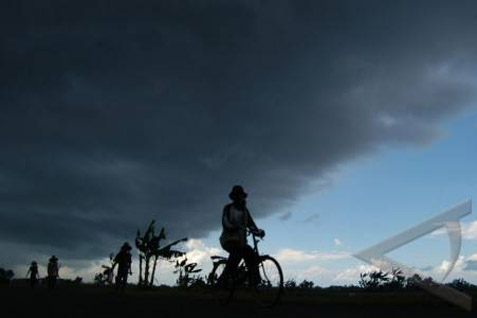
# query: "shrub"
{"type": "Point", "coordinates": [186, 274]}
{"type": "Point", "coordinates": [291, 283]}
{"type": "Point", "coordinates": [373, 280]}
{"type": "Point", "coordinates": [306, 284]}
{"type": "Point", "coordinates": [412, 282]}
{"type": "Point", "coordinates": [6, 276]}
{"type": "Point", "coordinates": [397, 281]}
{"type": "Point", "coordinates": [460, 284]}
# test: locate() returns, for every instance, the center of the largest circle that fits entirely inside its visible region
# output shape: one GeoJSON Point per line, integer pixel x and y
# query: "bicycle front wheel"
{"type": "Point", "coordinates": [270, 287]}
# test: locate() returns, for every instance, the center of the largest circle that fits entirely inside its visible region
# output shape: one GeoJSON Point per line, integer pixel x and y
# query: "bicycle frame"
{"type": "Point", "coordinates": [218, 258]}
{"type": "Point", "coordinates": [265, 296]}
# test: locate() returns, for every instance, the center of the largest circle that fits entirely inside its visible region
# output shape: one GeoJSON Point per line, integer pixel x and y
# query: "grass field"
{"type": "Point", "coordinates": [89, 301]}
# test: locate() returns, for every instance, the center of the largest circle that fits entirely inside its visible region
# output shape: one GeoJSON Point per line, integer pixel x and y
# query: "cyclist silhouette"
{"type": "Point", "coordinates": [236, 219]}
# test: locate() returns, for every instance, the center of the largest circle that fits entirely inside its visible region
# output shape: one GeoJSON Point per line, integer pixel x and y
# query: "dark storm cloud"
{"type": "Point", "coordinates": [116, 112]}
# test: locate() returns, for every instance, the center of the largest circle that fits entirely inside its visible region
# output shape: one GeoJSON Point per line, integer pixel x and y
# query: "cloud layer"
{"type": "Point", "coordinates": [115, 113]}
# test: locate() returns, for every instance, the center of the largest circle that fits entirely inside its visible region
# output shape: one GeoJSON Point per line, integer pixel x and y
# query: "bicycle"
{"type": "Point", "coordinates": [268, 290]}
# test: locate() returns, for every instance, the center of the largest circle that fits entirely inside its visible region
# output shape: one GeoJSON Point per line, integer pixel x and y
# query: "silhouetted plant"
{"type": "Point", "coordinates": [98, 279]}
{"type": "Point", "coordinates": [6, 276]}
{"type": "Point", "coordinates": [413, 281]}
{"type": "Point", "coordinates": [394, 280]}
{"type": "Point", "coordinates": [461, 284]}
{"type": "Point", "coordinates": [149, 249]}
{"type": "Point", "coordinates": [290, 283]}
{"type": "Point", "coordinates": [373, 279]}
{"type": "Point", "coordinates": [106, 277]}
{"type": "Point", "coordinates": [186, 273]}
{"type": "Point", "coordinates": [306, 284]}
{"type": "Point", "coordinates": [198, 282]}
{"type": "Point", "coordinates": [397, 281]}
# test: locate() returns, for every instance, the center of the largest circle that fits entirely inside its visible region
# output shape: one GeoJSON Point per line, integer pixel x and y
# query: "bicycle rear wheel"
{"type": "Point", "coordinates": [224, 289]}
{"type": "Point", "coordinates": [270, 287]}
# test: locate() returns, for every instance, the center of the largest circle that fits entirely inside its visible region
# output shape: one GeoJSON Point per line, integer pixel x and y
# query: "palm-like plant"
{"type": "Point", "coordinates": [149, 249]}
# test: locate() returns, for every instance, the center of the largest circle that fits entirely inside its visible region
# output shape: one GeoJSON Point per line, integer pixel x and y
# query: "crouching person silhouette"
{"type": "Point", "coordinates": [123, 260]}
{"type": "Point", "coordinates": [236, 219]}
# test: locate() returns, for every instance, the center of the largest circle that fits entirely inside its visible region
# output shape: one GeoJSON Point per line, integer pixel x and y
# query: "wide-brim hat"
{"type": "Point", "coordinates": [126, 246]}
{"type": "Point", "coordinates": [237, 191]}
{"type": "Point", "coordinates": [33, 263]}
{"type": "Point", "coordinates": [53, 258]}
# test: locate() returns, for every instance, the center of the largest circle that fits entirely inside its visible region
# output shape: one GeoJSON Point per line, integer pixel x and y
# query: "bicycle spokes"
{"type": "Point", "coordinates": [269, 289]}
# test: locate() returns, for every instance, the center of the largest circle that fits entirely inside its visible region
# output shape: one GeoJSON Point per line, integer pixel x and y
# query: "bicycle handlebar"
{"type": "Point", "coordinates": [255, 233]}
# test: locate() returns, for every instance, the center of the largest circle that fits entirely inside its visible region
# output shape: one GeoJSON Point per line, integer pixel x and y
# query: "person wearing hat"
{"type": "Point", "coordinates": [123, 259]}
{"type": "Point", "coordinates": [53, 271]}
{"type": "Point", "coordinates": [34, 276]}
{"type": "Point", "coordinates": [236, 219]}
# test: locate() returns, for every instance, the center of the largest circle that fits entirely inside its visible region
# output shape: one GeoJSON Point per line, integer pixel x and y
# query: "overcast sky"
{"type": "Point", "coordinates": [116, 112]}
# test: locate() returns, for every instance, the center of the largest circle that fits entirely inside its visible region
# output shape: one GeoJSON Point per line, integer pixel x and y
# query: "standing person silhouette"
{"type": "Point", "coordinates": [34, 276]}
{"type": "Point", "coordinates": [236, 219]}
{"type": "Point", "coordinates": [123, 260]}
{"type": "Point", "coordinates": [53, 271]}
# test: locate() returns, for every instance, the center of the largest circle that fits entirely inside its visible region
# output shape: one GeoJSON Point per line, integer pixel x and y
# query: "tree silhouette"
{"type": "Point", "coordinates": [373, 280]}
{"type": "Point", "coordinates": [413, 281]}
{"type": "Point", "coordinates": [397, 281]}
{"type": "Point", "coordinates": [387, 280]}
{"type": "Point", "coordinates": [461, 284]}
{"type": "Point", "coordinates": [306, 284]}
{"type": "Point", "coordinates": [149, 249]}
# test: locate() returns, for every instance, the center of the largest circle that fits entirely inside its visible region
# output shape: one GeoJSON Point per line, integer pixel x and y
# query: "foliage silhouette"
{"type": "Point", "coordinates": [412, 282]}
{"type": "Point", "coordinates": [78, 280]}
{"type": "Point", "coordinates": [306, 284]}
{"type": "Point", "coordinates": [461, 284]}
{"type": "Point", "coordinates": [186, 274]}
{"type": "Point", "coordinates": [397, 281]}
{"type": "Point", "coordinates": [150, 250]}
{"type": "Point", "coordinates": [379, 280]}
{"type": "Point", "coordinates": [290, 284]}
{"type": "Point", "coordinates": [373, 279]}
{"type": "Point", "coordinates": [106, 277]}
{"type": "Point", "coordinates": [6, 276]}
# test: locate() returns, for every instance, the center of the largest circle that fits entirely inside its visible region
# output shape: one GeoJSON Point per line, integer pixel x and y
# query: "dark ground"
{"type": "Point", "coordinates": [87, 301]}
